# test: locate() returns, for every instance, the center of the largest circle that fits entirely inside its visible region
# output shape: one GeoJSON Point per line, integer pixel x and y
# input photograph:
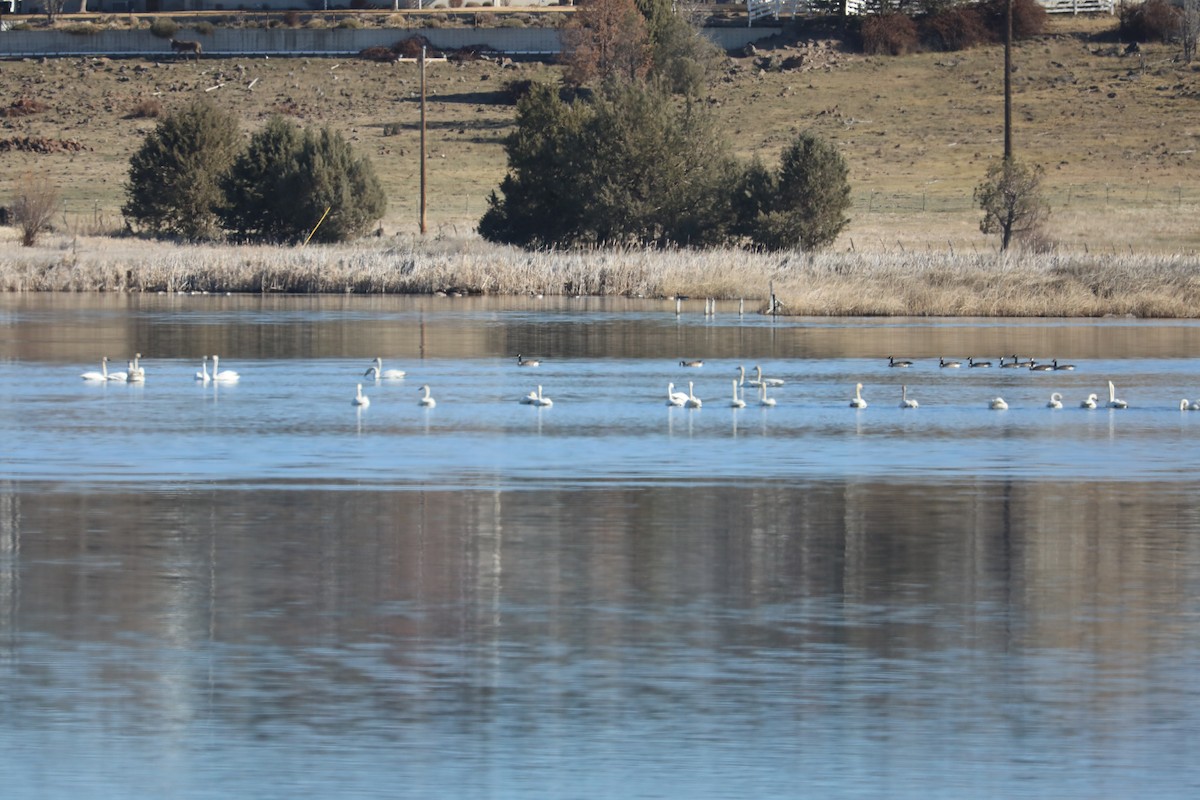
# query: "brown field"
{"type": "Point", "coordinates": [1116, 134]}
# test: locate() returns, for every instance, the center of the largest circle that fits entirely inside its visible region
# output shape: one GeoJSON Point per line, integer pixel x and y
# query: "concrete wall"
{"type": "Point", "coordinates": [303, 41]}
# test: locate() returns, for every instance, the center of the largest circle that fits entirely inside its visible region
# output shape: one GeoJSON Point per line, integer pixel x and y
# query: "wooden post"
{"type": "Point", "coordinates": [423, 225]}
{"type": "Point", "coordinates": [1008, 152]}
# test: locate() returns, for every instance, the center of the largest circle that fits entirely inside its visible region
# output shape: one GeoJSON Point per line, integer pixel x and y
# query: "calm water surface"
{"type": "Point", "coordinates": [258, 590]}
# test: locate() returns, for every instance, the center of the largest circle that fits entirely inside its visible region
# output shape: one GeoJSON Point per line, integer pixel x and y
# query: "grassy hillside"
{"type": "Point", "coordinates": [1116, 134]}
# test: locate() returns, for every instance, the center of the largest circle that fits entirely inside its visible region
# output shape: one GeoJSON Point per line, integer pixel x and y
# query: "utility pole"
{"type": "Point", "coordinates": [423, 139]}
{"type": "Point", "coordinates": [1008, 28]}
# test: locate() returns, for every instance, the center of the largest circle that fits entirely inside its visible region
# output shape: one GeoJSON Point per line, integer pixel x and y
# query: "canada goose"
{"type": "Point", "coordinates": [1029, 362]}
{"type": "Point", "coordinates": [1009, 365]}
{"type": "Point", "coordinates": [426, 401]}
{"type": "Point", "coordinates": [102, 375]}
{"type": "Point", "coordinates": [944, 364]}
{"type": "Point", "coordinates": [1067, 367]}
{"type": "Point", "coordinates": [384, 374]}
{"type": "Point", "coordinates": [737, 401]}
{"type": "Point", "coordinates": [971, 362]}
{"type": "Point", "coordinates": [360, 399]}
{"type": "Point", "coordinates": [857, 401]}
{"type": "Point", "coordinates": [674, 398]}
{"type": "Point", "coordinates": [905, 401]}
{"type": "Point", "coordinates": [1055, 401]}
{"type": "Point", "coordinates": [527, 362]}
{"type": "Point", "coordinates": [692, 400]}
{"type": "Point", "coordinates": [1090, 402]}
{"type": "Point", "coordinates": [759, 379]}
{"type": "Point", "coordinates": [226, 376]}
{"type": "Point", "coordinates": [1113, 402]}
{"type": "Point", "coordinates": [691, 363]}
{"type": "Point", "coordinates": [998, 404]}
{"type": "Point", "coordinates": [1041, 367]}
{"type": "Point", "coordinates": [892, 362]}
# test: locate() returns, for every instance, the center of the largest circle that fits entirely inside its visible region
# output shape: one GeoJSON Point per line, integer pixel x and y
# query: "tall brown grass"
{"type": "Point", "coordinates": [920, 284]}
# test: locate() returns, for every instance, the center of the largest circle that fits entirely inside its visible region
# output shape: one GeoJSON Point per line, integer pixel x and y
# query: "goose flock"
{"type": "Point", "coordinates": [136, 373]}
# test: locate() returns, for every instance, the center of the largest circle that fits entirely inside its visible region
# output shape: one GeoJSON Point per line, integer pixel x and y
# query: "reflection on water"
{"type": "Point", "coordinates": [875, 637]}
{"type": "Point", "coordinates": [260, 591]}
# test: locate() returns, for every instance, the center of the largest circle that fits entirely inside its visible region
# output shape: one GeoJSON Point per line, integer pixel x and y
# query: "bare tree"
{"type": "Point", "coordinates": [1189, 28]}
{"type": "Point", "coordinates": [33, 206]}
{"type": "Point", "coordinates": [606, 39]}
{"type": "Point", "coordinates": [53, 8]}
{"type": "Point", "coordinates": [1012, 203]}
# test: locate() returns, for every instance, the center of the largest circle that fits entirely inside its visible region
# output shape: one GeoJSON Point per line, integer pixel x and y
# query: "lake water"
{"type": "Point", "coordinates": [258, 590]}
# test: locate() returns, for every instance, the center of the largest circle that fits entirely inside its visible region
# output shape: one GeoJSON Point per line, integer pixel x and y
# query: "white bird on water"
{"type": "Point", "coordinates": [361, 399]}
{"type": "Point", "coordinates": [737, 401]}
{"type": "Point", "coordinates": [758, 376]}
{"type": "Point", "coordinates": [427, 401]}
{"type": "Point", "coordinates": [742, 379]}
{"type": "Point", "coordinates": [226, 376]}
{"type": "Point", "coordinates": [384, 374]}
{"type": "Point", "coordinates": [137, 373]}
{"type": "Point", "coordinates": [530, 399]}
{"type": "Point", "coordinates": [692, 400]}
{"type": "Point", "coordinates": [542, 400]}
{"type": "Point", "coordinates": [905, 401]}
{"type": "Point", "coordinates": [1090, 402]}
{"type": "Point", "coordinates": [857, 401]}
{"type": "Point", "coordinates": [674, 398]}
{"type": "Point", "coordinates": [1113, 401]}
{"type": "Point", "coordinates": [1055, 401]}
{"type": "Point", "coordinates": [102, 375]}
{"type": "Point", "coordinates": [763, 400]}
{"type": "Point", "coordinates": [998, 404]}
{"type": "Point", "coordinates": [203, 375]}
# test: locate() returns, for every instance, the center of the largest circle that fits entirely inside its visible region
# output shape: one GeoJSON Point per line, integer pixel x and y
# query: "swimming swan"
{"type": "Point", "coordinates": [1090, 402]}
{"type": "Point", "coordinates": [692, 400]}
{"type": "Point", "coordinates": [427, 401]}
{"type": "Point", "coordinates": [998, 404]}
{"type": "Point", "coordinates": [1113, 402]}
{"type": "Point", "coordinates": [527, 362]}
{"type": "Point", "coordinates": [102, 375]}
{"type": "Point", "coordinates": [137, 373]}
{"type": "Point", "coordinates": [742, 379]}
{"type": "Point", "coordinates": [120, 377]}
{"type": "Point", "coordinates": [530, 399]}
{"type": "Point", "coordinates": [227, 376]}
{"type": "Point", "coordinates": [763, 400]}
{"type": "Point", "coordinates": [203, 375]}
{"type": "Point", "coordinates": [758, 376]}
{"type": "Point", "coordinates": [361, 399]}
{"type": "Point", "coordinates": [1184, 405]}
{"type": "Point", "coordinates": [1055, 401]}
{"type": "Point", "coordinates": [674, 398]}
{"type": "Point", "coordinates": [385, 374]}
{"type": "Point", "coordinates": [857, 401]}
{"type": "Point", "coordinates": [541, 400]}
{"type": "Point", "coordinates": [736, 402]}
{"type": "Point", "coordinates": [905, 402]}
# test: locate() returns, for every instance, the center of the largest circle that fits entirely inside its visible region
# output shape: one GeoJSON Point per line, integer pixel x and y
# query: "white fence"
{"type": "Point", "coordinates": [774, 9]}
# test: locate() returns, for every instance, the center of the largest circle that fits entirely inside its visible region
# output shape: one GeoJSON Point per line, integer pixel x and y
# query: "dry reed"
{"type": "Point", "coordinates": [842, 284]}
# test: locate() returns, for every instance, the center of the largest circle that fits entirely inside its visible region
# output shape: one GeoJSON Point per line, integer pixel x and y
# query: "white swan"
{"type": "Point", "coordinates": [1113, 402]}
{"type": "Point", "coordinates": [692, 400]}
{"type": "Point", "coordinates": [203, 375]}
{"type": "Point", "coordinates": [527, 362]}
{"type": "Point", "coordinates": [1090, 402]}
{"type": "Point", "coordinates": [361, 399]}
{"type": "Point", "coordinates": [530, 399]}
{"type": "Point", "coordinates": [385, 374]}
{"type": "Point", "coordinates": [857, 401]}
{"type": "Point", "coordinates": [102, 375]}
{"type": "Point", "coordinates": [427, 401]}
{"type": "Point", "coordinates": [905, 401]}
{"type": "Point", "coordinates": [1184, 405]}
{"type": "Point", "coordinates": [1055, 401]}
{"type": "Point", "coordinates": [674, 398]}
{"type": "Point", "coordinates": [998, 404]}
{"type": "Point", "coordinates": [226, 376]}
{"type": "Point", "coordinates": [736, 402]}
{"type": "Point", "coordinates": [763, 400]}
{"type": "Point", "coordinates": [137, 372]}
{"type": "Point", "coordinates": [120, 377]}
{"type": "Point", "coordinates": [542, 401]}
{"type": "Point", "coordinates": [765, 381]}
{"type": "Point", "coordinates": [742, 379]}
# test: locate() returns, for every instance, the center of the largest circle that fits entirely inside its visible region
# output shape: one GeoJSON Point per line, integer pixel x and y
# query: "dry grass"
{"type": "Point", "coordinates": [897, 283]}
{"type": "Point", "coordinates": [1117, 135]}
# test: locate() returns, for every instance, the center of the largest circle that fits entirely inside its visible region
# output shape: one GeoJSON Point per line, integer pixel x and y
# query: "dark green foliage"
{"type": "Point", "coordinates": [279, 188]}
{"type": "Point", "coordinates": [803, 205]}
{"type": "Point", "coordinates": [175, 176]}
{"type": "Point", "coordinates": [682, 57]}
{"type": "Point", "coordinates": [632, 167]}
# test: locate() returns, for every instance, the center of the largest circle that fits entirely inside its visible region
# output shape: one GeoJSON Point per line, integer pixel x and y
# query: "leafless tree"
{"type": "Point", "coordinates": [1189, 28]}
{"type": "Point", "coordinates": [33, 206]}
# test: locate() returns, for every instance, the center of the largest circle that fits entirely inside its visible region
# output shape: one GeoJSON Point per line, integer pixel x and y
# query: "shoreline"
{"type": "Point", "coordinates": [931, 284]}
